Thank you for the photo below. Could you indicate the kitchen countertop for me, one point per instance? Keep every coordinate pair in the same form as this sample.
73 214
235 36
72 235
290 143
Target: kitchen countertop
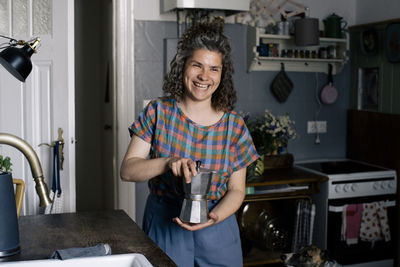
40 235
286 176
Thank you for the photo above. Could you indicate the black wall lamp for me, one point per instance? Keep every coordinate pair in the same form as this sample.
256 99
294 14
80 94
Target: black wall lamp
17 60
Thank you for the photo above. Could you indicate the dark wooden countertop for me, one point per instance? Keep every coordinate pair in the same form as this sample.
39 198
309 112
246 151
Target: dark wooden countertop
286 176
40 235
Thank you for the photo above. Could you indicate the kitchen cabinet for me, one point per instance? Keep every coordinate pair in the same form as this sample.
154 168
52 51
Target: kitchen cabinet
306 60
294 184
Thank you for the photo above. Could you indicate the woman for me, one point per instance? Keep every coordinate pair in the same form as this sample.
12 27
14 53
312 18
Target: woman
194 121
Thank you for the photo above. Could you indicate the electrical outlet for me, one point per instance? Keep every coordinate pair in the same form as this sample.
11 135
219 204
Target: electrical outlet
311 128
316 126
322 126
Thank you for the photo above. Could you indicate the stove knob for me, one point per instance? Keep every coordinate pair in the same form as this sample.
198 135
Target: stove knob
376 186
338 188
354 187
385 185
347 187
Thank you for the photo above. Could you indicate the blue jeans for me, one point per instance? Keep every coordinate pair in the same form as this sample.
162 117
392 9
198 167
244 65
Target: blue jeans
217 245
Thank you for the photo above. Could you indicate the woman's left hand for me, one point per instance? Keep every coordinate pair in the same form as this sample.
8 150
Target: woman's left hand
212 219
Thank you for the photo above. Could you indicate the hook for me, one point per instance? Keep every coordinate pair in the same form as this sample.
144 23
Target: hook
61 147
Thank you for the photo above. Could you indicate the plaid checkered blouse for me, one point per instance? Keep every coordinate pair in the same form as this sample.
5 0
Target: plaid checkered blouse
224 147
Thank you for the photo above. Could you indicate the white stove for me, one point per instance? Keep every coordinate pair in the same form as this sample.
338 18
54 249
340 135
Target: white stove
353 182
349 178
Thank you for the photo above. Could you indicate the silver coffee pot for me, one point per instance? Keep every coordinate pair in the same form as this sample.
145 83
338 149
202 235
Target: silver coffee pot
195 208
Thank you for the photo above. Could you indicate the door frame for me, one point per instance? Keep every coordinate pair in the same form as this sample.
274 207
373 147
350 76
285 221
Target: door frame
71 105
123 98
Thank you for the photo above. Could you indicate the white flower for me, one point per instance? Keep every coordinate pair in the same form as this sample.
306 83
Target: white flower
270 130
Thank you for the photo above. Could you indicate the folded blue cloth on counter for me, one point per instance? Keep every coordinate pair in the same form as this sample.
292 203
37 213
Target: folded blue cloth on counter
69 253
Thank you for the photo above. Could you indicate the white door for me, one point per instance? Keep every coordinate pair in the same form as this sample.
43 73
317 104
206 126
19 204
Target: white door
36 109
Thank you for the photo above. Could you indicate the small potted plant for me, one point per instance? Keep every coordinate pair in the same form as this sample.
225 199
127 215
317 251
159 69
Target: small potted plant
5 165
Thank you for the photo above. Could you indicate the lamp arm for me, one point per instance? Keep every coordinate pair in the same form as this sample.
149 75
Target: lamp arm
12 42
36 167
9 38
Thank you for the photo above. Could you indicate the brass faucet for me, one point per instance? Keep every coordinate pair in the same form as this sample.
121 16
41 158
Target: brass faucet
36 168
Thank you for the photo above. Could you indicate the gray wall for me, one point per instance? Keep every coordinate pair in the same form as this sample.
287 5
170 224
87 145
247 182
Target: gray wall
253 93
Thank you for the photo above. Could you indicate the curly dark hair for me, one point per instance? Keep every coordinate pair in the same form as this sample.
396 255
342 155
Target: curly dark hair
206 35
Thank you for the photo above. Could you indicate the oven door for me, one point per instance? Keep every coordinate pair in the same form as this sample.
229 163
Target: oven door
363 251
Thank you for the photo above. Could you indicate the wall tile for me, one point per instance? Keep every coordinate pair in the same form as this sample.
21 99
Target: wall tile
149 40
148 82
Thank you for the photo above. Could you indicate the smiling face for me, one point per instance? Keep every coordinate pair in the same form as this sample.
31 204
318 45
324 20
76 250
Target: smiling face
202 75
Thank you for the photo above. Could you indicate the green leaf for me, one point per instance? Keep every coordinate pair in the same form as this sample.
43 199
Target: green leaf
5 164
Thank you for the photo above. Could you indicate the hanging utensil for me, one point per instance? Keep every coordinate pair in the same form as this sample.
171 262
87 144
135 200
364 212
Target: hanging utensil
281 86
329 93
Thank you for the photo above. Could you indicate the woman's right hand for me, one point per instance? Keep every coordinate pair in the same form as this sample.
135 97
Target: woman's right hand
184 167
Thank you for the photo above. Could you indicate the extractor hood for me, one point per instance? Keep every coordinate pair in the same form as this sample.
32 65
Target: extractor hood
222 5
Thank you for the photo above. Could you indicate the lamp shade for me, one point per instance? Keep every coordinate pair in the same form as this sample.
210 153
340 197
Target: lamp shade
17 61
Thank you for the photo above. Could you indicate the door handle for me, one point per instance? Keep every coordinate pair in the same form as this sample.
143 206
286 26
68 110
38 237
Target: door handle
61 143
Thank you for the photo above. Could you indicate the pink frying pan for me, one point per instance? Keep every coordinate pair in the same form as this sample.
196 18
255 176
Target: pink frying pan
329 93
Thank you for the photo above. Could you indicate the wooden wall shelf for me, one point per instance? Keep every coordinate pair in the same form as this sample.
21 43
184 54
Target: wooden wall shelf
285 42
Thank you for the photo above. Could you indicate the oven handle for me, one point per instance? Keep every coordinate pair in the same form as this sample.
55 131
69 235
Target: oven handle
340 208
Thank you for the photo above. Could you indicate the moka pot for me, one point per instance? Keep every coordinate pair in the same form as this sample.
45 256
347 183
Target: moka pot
195 207
9 234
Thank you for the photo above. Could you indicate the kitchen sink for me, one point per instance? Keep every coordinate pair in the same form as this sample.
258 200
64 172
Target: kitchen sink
122 260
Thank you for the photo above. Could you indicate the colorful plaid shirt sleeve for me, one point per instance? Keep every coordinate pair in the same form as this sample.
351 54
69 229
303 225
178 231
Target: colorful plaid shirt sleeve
143 127
224 147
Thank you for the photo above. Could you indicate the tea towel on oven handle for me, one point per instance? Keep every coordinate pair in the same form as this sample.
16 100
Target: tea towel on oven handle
374 222
351 222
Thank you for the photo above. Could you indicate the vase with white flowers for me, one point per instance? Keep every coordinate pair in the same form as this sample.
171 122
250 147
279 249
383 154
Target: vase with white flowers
271 135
